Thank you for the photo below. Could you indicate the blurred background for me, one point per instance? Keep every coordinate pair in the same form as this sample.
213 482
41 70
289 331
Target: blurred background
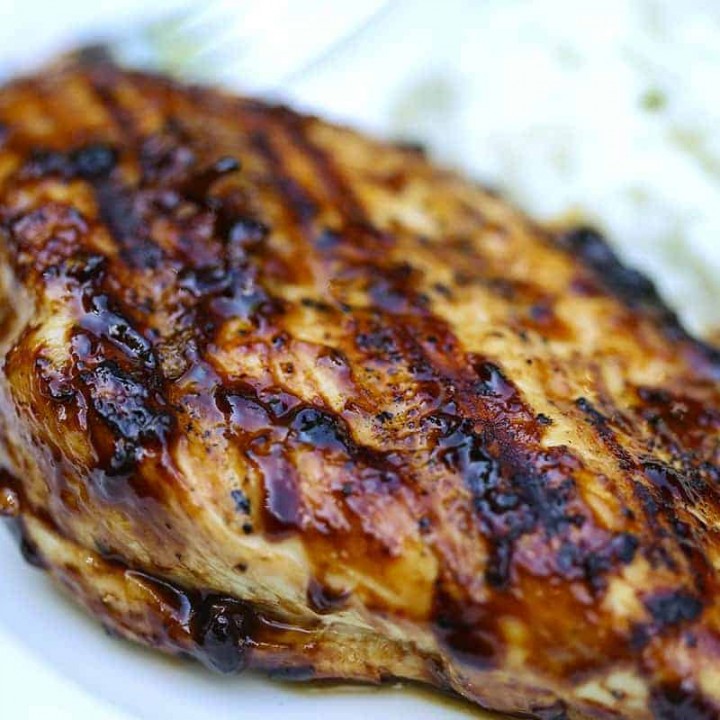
602 112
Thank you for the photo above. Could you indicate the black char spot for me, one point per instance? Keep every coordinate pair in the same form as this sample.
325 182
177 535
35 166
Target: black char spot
673 608
674 703
94 161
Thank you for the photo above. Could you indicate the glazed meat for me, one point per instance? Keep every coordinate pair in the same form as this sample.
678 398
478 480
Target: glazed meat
276 395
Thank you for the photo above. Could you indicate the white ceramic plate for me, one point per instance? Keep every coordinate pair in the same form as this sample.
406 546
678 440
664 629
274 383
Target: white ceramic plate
598 109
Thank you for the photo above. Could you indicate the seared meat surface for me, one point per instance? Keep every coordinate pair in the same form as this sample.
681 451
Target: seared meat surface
276 395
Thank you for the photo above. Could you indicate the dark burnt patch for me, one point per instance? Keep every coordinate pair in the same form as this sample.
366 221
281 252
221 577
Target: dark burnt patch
391 289
94 161
246 232
629 285
673 608
119 212
632 288
107 322
672 702
135 417
686 486
510 498
605 431
493 383
578 561
90 162
167 157
322 430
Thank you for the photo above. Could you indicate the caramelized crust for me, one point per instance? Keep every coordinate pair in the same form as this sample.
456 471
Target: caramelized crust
277 395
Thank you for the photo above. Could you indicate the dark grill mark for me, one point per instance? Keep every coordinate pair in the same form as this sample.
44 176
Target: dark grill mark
631 287
293 196
91 162
605 432
339 192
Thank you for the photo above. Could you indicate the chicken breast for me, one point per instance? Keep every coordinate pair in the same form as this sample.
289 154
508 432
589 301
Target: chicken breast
276 395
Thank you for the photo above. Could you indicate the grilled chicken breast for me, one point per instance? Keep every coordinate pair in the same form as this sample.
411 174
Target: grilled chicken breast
276 395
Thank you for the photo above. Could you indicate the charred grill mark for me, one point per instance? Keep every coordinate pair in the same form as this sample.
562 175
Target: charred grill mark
118 212
687 487
681 423
102 81
197 187
299 204
167 159
390 289
339 192
90 162
635 290
486 434
664 490
607 435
